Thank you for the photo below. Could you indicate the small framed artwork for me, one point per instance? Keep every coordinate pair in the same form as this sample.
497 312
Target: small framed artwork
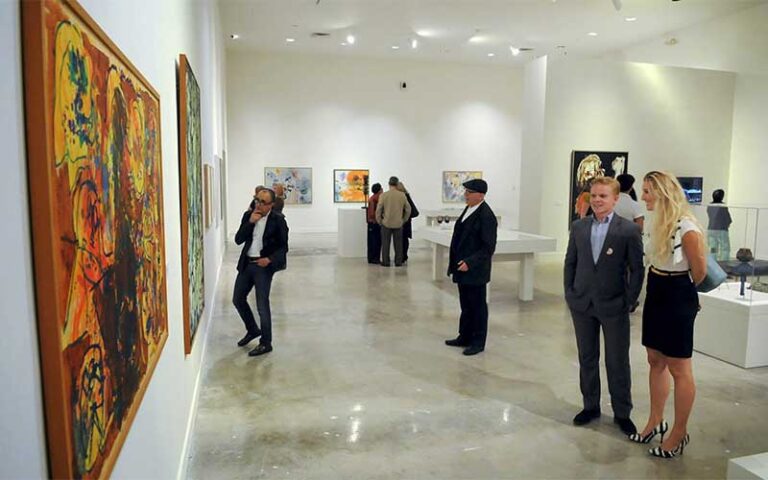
453 190
586 165
296 182
350 186
208 195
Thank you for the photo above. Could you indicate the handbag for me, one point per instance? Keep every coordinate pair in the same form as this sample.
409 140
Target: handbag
715 276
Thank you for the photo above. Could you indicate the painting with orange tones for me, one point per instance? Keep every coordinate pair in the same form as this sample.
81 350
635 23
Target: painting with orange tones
350 186
95 181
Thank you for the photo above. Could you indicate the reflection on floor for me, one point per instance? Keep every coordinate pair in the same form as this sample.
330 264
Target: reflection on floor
361 386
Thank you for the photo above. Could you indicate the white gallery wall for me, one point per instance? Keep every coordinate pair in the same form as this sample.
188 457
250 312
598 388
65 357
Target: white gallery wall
667 118
336 112
152 35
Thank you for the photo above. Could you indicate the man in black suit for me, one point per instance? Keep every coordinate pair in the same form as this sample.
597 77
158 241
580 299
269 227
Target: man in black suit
603 276
264 234
472 246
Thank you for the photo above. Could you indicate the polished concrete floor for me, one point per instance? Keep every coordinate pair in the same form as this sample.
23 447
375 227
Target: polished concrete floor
361 386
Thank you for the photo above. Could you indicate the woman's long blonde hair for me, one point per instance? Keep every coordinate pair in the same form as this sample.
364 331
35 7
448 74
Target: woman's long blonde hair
670 206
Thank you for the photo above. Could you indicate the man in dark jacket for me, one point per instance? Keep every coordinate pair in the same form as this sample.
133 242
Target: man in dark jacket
472 247
263 233
603 276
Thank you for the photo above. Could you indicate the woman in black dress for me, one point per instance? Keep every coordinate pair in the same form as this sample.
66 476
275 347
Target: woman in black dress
678 264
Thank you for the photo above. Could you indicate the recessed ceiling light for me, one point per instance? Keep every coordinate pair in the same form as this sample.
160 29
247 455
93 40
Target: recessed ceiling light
491 54
592 34
515 51
630 19
414 43
351 39
343 44
290 40
234 36
395 47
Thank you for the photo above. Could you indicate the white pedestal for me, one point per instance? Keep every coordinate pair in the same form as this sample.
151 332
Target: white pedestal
749 467
733 329
353 233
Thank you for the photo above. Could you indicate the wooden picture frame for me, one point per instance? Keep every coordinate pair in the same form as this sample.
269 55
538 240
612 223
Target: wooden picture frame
95 184
191 201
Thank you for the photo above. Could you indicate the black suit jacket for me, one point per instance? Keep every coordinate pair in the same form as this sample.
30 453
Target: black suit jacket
275 240
606 284
473 241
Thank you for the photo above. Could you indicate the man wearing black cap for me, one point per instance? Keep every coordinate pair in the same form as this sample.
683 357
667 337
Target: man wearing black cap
472 246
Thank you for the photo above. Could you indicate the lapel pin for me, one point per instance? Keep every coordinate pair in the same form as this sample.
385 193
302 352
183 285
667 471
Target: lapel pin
609 251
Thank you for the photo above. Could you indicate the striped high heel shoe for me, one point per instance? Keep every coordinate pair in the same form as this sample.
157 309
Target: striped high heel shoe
659 429
661 453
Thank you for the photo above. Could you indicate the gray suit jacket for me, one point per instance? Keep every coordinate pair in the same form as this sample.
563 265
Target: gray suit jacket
606 285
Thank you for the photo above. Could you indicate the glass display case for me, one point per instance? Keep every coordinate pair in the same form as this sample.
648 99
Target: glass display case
732 324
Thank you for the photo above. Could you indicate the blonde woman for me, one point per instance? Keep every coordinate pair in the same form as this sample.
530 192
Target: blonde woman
678 264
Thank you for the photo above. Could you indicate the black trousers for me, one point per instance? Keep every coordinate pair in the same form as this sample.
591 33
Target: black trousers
616 339
473 323
374 243
259 278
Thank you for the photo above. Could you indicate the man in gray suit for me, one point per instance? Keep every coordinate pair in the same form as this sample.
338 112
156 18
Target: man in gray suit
602 248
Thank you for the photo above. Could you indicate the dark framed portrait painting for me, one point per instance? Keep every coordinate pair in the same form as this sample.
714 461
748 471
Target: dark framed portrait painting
96 191
586 165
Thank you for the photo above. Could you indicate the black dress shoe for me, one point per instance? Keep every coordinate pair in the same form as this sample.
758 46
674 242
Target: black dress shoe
626 425
456 342
247 338
384 264
585 416
472 350
261 349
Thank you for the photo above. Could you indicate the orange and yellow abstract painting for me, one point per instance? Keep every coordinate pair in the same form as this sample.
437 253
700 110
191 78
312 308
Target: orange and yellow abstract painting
350 186
96 184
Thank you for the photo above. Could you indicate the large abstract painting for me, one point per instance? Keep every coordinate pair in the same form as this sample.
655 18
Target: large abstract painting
453 189
350 186
586 165
95 179
297 183
191 188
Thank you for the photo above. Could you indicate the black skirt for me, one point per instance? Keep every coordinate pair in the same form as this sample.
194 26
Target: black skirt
671 305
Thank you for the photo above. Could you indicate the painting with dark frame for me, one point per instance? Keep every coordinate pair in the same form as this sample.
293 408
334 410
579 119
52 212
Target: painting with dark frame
191 201
350 186
586 165
96 190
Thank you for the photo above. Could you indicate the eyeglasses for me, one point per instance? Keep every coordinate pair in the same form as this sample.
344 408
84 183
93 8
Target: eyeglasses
262 202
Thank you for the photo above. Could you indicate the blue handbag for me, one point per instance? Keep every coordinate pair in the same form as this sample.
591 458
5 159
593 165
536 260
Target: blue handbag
715 276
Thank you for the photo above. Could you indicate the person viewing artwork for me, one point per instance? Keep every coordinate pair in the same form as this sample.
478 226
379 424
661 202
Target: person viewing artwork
408 225
627 207
678 263
717 229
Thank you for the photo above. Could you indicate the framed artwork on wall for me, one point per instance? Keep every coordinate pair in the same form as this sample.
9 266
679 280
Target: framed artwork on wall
208 195
222 186
95 180
453 189
350 186
297 183
586 165
191 193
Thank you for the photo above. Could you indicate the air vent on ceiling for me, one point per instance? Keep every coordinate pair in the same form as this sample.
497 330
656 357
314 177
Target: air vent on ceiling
320 34
525 49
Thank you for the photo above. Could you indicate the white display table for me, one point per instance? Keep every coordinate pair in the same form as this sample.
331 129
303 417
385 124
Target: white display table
510 246
731 328
452 213
752 466
353 233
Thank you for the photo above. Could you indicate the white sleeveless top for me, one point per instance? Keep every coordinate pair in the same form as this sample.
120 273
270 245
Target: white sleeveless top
678 262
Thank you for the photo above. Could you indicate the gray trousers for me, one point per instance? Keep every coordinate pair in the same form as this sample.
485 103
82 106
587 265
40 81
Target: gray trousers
616 333
386 236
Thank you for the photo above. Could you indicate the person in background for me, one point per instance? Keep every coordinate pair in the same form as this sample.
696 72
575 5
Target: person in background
392 212
717 229
279 189
408 226
374 229
626 207
678 263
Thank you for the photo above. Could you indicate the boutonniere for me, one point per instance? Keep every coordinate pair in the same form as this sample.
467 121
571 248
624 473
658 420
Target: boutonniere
609 251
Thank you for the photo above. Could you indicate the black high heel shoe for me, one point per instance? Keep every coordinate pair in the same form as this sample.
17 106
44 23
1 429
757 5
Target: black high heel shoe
661 453
661 428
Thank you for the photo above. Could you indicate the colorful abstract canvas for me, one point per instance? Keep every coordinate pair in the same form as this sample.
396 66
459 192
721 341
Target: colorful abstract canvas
297 183
453 190
191 188
350 186
586 165
93 145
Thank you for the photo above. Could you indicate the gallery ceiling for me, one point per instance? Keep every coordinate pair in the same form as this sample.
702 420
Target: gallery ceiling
462 30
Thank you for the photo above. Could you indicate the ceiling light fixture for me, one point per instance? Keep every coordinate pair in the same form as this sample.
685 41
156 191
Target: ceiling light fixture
630 19
234 36
491 54
395 47
414 43
515 51
290 40
592 34
343 44
351 39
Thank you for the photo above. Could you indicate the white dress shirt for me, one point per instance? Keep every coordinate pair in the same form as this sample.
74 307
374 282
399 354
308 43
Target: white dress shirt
471 210
258 236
